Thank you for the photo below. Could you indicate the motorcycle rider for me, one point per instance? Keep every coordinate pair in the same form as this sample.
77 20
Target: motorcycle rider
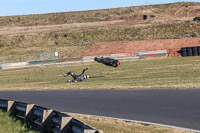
77 78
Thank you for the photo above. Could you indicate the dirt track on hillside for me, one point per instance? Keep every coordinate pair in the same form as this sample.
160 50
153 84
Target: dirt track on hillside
46 28
171 45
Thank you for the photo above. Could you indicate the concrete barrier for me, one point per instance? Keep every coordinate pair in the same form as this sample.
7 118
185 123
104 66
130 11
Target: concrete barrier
124 54
14 65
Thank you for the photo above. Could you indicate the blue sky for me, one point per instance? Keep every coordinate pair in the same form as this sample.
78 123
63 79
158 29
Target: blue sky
23 7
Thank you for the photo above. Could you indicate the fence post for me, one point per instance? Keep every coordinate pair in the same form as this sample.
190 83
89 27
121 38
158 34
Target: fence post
66 123
22 58
29 113
11 107
3 59
46 121
41 56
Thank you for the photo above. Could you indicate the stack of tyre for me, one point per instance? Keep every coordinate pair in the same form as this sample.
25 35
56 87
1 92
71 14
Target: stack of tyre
190 51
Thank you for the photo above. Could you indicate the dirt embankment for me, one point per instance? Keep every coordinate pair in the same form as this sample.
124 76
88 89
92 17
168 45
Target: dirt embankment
47 28
173 46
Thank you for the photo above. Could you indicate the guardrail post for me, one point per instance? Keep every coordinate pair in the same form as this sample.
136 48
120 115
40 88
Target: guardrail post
29 113
11 107
66 123
89 131
46 121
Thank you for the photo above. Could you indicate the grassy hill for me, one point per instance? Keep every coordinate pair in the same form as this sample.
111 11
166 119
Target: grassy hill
59 31
172 10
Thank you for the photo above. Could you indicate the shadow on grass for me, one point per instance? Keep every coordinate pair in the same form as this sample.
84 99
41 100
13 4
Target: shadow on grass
28 126
97 76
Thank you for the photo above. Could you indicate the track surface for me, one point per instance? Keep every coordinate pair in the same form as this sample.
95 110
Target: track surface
177 107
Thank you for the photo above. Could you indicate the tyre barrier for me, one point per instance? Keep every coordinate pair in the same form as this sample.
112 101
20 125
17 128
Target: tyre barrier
190 51
46 120
183 52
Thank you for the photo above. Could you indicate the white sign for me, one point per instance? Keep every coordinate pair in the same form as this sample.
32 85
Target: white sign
56 53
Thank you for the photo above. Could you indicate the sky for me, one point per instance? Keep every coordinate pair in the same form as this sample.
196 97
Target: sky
25 7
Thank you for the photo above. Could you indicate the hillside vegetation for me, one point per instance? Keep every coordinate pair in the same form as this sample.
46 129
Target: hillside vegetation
59 31
183 9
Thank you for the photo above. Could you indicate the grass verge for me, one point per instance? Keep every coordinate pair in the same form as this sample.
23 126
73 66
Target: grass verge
156 73
9 124
118 126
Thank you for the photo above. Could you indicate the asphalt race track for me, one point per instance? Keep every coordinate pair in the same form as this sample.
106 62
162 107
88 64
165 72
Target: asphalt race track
176 107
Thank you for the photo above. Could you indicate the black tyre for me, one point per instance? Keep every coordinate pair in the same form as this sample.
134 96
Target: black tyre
194 51
183 52
189 51
198 50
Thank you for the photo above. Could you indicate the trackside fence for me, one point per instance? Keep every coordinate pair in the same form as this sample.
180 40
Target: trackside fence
85 59
46 120
29 57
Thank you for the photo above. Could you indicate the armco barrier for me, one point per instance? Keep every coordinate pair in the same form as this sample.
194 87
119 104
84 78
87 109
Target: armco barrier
41 62
153 54
35 62
46 120
86 59
130 56
54 61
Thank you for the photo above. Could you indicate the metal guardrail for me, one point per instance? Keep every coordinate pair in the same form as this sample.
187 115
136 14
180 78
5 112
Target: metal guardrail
46 120
85 59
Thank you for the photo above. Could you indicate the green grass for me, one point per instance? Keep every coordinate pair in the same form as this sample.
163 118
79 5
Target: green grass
155 73
9 124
